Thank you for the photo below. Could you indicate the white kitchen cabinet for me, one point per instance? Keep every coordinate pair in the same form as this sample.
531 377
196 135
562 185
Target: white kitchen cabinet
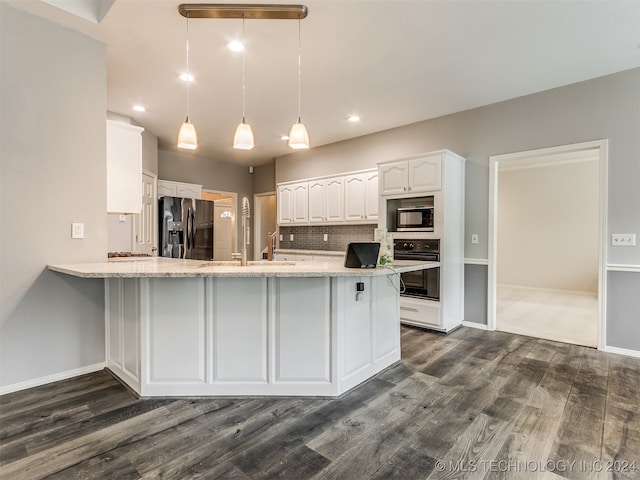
329 200
371 195
124 167
415 175
316 201
285 204
300 203
394 178
425 174
167 188
334 203
441 175
361 197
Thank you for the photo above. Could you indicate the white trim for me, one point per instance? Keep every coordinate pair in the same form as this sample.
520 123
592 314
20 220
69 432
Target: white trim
479 326
602 146
613 267
326 177
56 377
551 162
476 261
623 351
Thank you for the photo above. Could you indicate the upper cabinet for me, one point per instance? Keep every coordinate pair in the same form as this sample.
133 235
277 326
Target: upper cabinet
361 196
168 188
285 204
334 199
340 199
124 168
416 175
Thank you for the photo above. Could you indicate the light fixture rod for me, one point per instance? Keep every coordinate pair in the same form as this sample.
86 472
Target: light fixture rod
240 10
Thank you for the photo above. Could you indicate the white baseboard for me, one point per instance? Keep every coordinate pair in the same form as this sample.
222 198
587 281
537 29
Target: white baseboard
479 326
36 382
623 351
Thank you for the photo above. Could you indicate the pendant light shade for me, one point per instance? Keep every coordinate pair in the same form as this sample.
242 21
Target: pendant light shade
243 138
298 136
187 136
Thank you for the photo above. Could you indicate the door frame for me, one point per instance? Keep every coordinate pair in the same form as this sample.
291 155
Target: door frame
257 206
603 148
234 222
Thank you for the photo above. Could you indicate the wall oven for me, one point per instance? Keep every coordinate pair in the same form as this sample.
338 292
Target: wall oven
414 219
423 284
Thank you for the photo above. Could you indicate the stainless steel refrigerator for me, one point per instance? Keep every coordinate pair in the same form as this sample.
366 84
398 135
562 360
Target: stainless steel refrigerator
186 228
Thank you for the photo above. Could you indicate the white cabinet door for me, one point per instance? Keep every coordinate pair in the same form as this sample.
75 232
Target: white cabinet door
425 174
300 203
394 178
354 197
371 196
285 204
145 222
188 190
124 167
166 189
334 199
316 201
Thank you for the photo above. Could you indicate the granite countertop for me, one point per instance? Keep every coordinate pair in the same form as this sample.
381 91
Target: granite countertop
159 267
297 251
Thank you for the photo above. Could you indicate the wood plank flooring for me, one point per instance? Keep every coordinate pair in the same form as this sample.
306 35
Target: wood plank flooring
468 405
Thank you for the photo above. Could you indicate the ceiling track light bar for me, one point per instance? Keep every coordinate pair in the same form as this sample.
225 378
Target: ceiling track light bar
240 10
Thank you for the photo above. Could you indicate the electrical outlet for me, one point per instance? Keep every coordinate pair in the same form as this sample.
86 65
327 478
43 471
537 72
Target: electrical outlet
474 238
325 237
291 237
122 218
623 239
281 237
77 230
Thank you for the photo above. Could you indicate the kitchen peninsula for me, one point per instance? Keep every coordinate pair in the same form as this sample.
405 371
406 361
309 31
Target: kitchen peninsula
190 327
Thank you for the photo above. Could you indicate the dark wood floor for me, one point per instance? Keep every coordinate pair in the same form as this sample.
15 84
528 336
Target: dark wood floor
472 404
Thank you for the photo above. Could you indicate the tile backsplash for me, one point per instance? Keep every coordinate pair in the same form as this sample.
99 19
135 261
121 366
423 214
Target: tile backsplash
338 236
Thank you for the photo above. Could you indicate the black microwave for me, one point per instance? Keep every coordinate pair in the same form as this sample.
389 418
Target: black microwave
414 219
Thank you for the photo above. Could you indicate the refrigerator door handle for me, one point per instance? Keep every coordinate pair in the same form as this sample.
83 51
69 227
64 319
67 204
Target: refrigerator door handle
189 240
193 229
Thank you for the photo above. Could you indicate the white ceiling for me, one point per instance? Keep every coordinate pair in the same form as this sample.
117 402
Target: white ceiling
393 62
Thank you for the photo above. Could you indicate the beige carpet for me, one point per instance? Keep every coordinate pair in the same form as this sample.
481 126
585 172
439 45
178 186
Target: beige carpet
561 316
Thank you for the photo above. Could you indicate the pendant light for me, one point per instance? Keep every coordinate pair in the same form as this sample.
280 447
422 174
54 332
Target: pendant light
298 136
243 139
187 137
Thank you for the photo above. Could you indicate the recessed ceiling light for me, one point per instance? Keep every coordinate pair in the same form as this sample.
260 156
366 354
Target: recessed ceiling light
284 137
235 46
187 77
139 108
354 118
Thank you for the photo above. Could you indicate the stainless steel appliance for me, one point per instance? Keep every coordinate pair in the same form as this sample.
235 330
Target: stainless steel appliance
414 219
423 283
186 228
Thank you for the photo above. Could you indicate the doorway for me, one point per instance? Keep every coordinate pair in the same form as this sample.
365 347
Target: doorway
547 243
224 222
264 223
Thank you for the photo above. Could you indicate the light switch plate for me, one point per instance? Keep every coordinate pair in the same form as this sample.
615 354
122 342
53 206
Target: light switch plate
77 230
291 237
325 237
474 238
623 239
281 237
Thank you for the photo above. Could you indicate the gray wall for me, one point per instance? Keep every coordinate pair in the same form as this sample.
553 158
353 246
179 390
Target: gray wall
264 178
53 173
606 107
149 151
211 174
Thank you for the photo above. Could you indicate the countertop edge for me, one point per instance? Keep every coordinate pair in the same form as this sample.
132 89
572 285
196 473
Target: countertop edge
104 270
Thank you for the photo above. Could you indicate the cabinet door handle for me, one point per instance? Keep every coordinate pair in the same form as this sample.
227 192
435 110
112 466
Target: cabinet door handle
409 309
